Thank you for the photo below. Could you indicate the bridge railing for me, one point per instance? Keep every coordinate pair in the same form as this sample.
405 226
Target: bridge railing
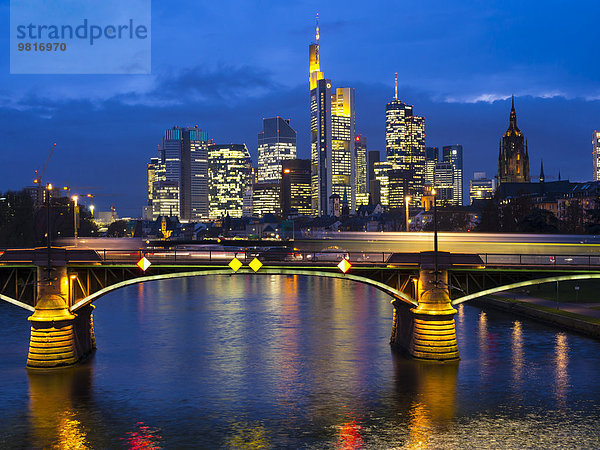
331 257
503 260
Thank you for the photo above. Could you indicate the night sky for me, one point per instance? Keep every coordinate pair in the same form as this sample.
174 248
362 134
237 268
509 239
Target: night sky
225 65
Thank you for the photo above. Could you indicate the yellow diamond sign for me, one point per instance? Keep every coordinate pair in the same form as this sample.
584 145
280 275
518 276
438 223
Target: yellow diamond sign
235 264
255 264
144 263
344 265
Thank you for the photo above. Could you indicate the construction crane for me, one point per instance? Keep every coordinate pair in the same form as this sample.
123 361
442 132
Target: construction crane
38 179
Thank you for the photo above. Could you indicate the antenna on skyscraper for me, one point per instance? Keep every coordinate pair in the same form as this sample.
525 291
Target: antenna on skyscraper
317 28
396 86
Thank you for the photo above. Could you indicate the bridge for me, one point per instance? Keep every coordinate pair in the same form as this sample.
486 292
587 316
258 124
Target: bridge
60 286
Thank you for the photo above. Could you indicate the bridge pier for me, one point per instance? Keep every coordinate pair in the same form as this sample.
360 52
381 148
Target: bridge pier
427 332
58 337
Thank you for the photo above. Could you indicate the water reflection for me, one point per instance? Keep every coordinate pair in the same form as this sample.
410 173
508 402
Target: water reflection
431 390
562 365
518 359
53 407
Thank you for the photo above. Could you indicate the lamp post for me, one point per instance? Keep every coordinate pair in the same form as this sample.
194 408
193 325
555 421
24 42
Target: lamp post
48 193
407 200
92 210
75 198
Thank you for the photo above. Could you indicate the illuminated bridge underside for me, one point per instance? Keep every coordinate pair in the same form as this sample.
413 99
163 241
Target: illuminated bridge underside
396 294
508 287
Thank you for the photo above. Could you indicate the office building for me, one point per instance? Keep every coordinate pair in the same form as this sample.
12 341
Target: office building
453 154
481 187
361 170
513 158
596 155
230 178
444 183
381 171
183 158
405 143
432 156
266 199
332 137
398 189
276 143
296 188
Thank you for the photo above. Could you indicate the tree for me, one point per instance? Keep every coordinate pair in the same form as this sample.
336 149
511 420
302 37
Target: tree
117 229
539 221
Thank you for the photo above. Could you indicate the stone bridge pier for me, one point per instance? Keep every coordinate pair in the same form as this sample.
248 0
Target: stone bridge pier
427 332
58 337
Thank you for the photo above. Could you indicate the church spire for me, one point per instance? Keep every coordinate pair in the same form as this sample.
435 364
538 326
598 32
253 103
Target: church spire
542 178
513 115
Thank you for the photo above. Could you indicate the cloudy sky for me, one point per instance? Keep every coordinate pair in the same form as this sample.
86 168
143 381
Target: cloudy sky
225 65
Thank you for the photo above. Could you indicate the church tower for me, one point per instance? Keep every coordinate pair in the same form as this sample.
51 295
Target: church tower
513 158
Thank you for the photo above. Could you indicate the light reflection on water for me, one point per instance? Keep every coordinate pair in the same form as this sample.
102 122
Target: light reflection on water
273 361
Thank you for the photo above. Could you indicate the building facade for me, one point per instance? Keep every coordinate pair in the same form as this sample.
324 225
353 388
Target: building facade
183 157
444 183
513 158
381 170
230 178
361 170
432 157
453 154
481 187
296 188
276 143
266 199
405 143
596 155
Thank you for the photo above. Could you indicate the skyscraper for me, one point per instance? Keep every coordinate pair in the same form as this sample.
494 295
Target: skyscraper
230 178
331 137
360 170
295 187
596 155
276 142
373 184
432 156
183 153
405 143
513 158
444 183
381 170
453 154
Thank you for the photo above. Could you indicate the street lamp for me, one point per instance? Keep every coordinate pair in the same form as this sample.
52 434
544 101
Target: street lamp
92 210
407 200
75 198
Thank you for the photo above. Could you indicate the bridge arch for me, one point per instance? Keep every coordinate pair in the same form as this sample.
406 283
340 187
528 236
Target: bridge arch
394 293
508 287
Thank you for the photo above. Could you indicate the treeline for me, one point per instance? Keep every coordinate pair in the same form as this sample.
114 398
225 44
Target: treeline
23 224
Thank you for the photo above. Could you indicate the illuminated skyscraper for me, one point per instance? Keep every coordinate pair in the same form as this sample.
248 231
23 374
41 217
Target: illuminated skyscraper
405 143
360 170
596 155
266 199
513 158
444 183
295 188
432 156
230 177
381 170
183 152
331 137
277 142
453 154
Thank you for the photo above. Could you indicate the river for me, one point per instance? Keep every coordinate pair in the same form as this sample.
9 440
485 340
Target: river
251 361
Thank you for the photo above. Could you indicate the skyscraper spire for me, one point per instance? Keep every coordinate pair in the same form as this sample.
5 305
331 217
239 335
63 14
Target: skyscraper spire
317 28
396 86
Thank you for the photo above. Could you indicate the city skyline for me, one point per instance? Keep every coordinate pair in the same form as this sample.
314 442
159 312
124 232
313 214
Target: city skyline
92 117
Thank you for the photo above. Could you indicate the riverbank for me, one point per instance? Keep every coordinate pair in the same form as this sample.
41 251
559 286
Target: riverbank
569 316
